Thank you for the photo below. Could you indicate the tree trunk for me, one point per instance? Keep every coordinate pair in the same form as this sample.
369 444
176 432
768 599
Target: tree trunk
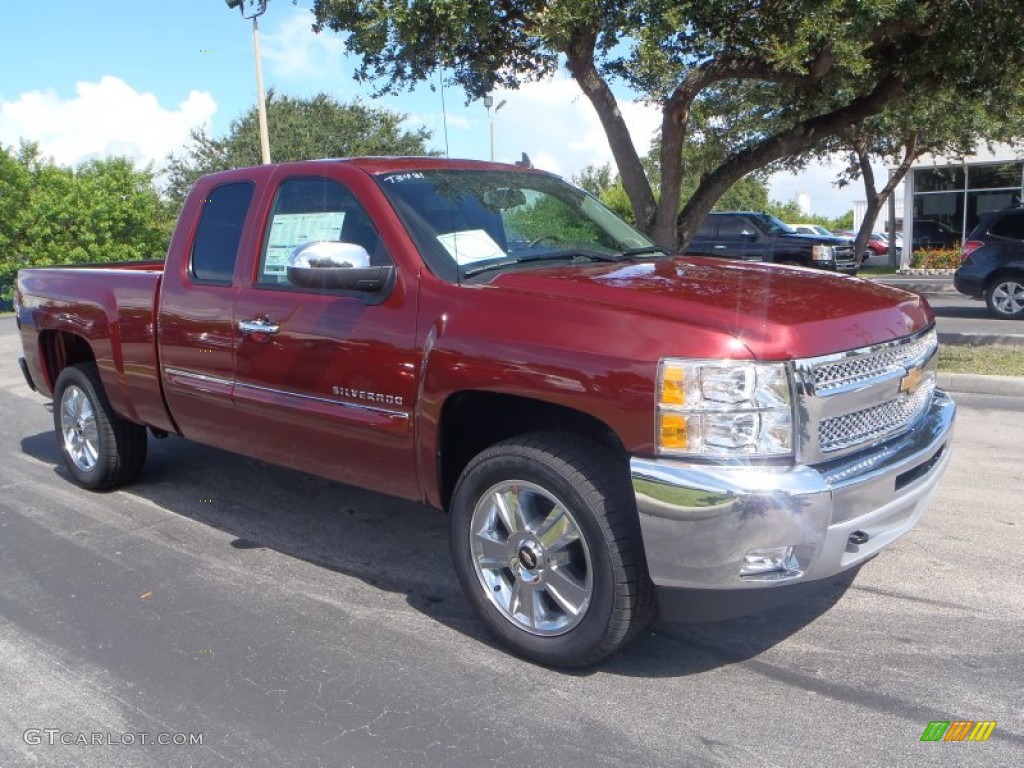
785 144
580 56
876 199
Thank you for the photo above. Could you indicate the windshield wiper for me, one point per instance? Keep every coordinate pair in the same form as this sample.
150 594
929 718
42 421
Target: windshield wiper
570 253
644 249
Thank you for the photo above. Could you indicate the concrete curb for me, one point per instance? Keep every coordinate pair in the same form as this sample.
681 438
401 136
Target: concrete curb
973 384
919 285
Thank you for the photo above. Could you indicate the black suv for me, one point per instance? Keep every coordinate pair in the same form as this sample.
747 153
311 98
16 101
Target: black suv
993 263
754 236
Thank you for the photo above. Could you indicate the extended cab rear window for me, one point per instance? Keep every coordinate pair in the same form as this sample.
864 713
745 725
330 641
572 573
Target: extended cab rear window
219 233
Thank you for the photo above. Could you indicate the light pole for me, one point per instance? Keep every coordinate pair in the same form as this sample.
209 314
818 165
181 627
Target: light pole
488 103
252 9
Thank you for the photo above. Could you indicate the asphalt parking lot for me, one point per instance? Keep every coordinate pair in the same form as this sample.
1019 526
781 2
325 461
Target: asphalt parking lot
287 620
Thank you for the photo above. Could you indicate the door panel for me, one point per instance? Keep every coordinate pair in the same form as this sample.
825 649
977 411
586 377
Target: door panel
326 381
196 328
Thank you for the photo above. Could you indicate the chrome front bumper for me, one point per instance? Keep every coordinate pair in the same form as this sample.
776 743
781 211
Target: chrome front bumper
700 520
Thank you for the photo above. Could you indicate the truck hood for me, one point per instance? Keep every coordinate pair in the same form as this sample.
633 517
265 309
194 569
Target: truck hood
777 313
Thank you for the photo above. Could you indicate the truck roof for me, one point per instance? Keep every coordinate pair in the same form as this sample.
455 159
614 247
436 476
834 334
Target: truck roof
382 164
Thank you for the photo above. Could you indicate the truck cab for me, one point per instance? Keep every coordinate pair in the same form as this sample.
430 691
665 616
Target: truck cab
753 236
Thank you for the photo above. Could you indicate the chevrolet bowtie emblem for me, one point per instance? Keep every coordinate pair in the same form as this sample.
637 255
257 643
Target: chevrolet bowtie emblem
910 382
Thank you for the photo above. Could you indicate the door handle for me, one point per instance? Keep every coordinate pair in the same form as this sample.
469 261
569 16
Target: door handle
719 247
260 325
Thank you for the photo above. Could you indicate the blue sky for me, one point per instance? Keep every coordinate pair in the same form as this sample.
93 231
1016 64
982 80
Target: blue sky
88 79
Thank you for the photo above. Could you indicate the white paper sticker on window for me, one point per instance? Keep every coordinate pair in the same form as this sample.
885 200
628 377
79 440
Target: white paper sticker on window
289 230
470 246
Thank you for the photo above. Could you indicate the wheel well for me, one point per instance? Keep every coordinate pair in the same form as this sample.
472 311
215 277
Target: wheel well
59 349
472 421
1004 272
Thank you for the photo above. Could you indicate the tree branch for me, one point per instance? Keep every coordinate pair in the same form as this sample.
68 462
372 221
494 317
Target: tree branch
785 144
580 56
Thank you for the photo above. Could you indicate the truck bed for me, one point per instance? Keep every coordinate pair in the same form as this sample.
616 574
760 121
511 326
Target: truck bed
113 307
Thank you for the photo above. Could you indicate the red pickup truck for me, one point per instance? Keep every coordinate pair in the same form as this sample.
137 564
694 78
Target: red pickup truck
611 428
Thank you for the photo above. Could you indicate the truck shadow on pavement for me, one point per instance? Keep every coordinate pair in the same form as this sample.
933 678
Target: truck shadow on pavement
398 546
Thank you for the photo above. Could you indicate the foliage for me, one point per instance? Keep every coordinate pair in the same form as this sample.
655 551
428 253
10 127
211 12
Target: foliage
299 129
551 219
751 83
100 211
844 222
595 179
617 200
936 258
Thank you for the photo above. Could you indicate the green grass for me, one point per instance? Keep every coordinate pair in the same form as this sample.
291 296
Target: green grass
988 360
874 270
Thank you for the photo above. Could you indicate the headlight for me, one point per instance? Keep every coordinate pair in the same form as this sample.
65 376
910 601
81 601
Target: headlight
724 408
823 253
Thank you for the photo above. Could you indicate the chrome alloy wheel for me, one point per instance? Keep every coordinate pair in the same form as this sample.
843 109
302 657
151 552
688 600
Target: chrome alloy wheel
1008 297
78 427
531 558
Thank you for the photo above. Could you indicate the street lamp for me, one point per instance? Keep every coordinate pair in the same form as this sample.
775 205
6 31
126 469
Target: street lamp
251 9
488 103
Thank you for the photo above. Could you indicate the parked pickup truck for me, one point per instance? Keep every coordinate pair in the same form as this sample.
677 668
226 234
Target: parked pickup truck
752 236
610 428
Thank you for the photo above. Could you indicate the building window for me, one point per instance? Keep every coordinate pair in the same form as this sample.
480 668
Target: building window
994 176
939 179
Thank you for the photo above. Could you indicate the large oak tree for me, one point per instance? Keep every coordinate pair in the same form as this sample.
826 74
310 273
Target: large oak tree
300 129
795 72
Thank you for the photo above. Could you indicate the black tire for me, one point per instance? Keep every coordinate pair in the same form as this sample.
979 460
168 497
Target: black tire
1005 297
548 472
100 449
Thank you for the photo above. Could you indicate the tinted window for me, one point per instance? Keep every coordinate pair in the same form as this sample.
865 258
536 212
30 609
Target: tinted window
1011 226
733 226
996 176
311 209
706 229
938 179
220 232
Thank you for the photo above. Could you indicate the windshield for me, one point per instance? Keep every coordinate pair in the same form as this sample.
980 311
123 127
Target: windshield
465 222
772 224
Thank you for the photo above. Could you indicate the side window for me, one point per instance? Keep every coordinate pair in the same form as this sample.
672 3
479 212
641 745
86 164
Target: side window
311 209
732 226
219 233
706 230
1011 225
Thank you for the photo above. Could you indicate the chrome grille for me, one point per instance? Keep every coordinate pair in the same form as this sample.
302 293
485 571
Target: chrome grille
856 369
843 253
876 422
849 400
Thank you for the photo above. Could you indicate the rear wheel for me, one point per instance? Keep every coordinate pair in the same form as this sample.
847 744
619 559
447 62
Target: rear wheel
546 545
101 450
1005 297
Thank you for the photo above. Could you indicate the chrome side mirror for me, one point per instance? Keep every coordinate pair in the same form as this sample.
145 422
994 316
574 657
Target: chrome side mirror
330 265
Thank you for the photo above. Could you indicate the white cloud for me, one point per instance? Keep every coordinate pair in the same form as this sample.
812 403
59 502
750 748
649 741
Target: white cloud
293 51
818 181
556 125
102 119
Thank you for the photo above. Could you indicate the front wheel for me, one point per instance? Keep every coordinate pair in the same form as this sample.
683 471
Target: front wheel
1005 297
546 545
100 449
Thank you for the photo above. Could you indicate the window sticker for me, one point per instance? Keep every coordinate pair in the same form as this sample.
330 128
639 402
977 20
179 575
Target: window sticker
289 230
470 246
